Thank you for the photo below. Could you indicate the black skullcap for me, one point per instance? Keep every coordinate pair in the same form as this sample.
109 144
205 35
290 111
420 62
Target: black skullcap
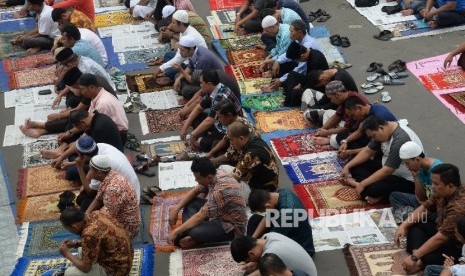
64 54
72 76
294 50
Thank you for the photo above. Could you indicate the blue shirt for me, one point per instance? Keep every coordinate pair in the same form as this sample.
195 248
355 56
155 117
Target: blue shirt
460 4
288 16
382 112
204 59
283 40
424 177
293 5
83 48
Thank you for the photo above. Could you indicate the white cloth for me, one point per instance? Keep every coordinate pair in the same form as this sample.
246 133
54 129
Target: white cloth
46 25
87 65
95 41
118 162
141 11
178 59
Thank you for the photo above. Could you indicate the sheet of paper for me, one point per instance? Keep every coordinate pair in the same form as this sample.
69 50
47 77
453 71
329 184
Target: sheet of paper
176 175
30 96
34 112
14 136
124 30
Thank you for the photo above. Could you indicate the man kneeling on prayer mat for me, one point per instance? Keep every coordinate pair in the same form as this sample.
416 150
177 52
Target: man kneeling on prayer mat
217 217
104 247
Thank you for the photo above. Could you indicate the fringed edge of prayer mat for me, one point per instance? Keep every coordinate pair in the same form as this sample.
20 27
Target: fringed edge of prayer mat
306 200
143 123
279 147
21 188
23 234
350 260
175 264
449 99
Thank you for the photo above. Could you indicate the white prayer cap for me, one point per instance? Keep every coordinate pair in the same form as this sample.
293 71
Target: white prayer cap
187 41
269 21
181 16
100 163
410 150
167 11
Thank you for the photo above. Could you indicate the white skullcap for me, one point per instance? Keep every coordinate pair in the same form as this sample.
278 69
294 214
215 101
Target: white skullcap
167 11
100 163
181 16
269 21
410 150
187 41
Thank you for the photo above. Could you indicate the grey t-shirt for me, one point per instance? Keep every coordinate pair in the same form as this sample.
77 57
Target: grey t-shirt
390 149
291 253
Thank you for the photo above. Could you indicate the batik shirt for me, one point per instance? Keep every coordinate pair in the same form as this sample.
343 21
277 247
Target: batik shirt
257 165
283 40
120 201
231 152
199 24
80 20
225 202
105 242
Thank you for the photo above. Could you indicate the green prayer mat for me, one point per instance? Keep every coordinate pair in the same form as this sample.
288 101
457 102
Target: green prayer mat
264 102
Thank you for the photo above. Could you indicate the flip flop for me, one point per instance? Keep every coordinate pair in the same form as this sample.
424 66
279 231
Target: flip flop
385 97
398 66
388 81
373 66
367 85
335 40
345 42
398 75
144 170
384 35
372 90
151 191
324 18
340 65
373 77
312 16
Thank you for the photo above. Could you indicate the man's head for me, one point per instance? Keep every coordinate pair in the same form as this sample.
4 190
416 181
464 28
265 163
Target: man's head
245 249
72 219
316 79
69 35
298 30
412 154
66 57
80 119
295 51
270 4
226 112
336 92
61 16
187 46
35 5
460 230
208 81
99 167
239 135
167 12
356 108
89 85
270 25
271 265
377 128
204 171
267 11
179 21
86 147
260 200
446 180
71 80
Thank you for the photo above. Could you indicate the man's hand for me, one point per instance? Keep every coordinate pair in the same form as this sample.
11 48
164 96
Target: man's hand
79 161
63 136
275 69
323 132
343 147
359 187
183 133
64 250
449 261
250 267
400 234
428 15
275 84
66 165
56 163
177 67
344 173
70 244
57 101
173 216
172 237
177 84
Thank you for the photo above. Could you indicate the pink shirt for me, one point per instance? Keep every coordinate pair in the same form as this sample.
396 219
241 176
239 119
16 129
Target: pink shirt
109 105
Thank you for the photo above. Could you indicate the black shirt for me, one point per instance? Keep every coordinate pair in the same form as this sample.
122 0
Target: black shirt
316 61
346 79
104 130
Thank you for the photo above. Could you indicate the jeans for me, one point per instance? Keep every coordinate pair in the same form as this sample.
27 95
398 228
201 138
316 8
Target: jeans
433 270
253 25
42 42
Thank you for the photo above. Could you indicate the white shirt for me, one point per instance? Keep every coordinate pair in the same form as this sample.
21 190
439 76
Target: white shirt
87 65
45 23
178 59
95 41
118 162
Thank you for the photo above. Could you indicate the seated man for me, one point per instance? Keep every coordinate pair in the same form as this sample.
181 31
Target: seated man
248 18
444 13
106 247
85 6
71 38
205 125
115 195
272 28
250 250
375 180
282 208
199 58
284 15
290 4
256 163
412 7
86 149
420 166
227 114
428 242
141 8
165 20
218 217
42 36
270 264
75 17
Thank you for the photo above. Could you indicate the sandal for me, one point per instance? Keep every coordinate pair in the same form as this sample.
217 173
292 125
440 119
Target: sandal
345 42
388 81
385 97
340 65
144 170
374 66
398 75
324 18
145 199
374 89
384 35
373 77
312 16
151 191
398 66
335 40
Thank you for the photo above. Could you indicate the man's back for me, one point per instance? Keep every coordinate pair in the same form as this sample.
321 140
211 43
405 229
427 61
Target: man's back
205 59
104 130
107 104
83 48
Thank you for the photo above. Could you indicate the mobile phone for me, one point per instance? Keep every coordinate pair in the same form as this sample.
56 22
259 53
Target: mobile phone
45 92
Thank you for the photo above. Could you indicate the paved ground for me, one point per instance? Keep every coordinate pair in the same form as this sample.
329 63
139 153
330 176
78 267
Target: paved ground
439 130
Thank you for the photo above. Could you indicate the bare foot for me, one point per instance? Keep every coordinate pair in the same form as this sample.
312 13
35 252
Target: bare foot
51 154
407 12
32 132
373 200
33 51
188 242
433 24
321 141
241 31
33 124
349 182
265 88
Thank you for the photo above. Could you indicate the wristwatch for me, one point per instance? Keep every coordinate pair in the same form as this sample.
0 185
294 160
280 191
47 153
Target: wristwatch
344 141
414 258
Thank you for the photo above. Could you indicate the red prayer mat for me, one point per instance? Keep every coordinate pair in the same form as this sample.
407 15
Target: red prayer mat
33 77
225 4
456 99
298 144
244 56
444 80
24 63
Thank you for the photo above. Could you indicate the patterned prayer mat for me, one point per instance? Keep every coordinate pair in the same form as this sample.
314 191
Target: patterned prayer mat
244 56
224 17
166 148
204 262
245 71
6 49
143 83
444 80
377 259
33 77
225 4
456 99
106 3
142 265
223 31
142 56
6 15
42 180
155 121
320 167
36 208
113 18
24 63
159 220
32 156
333 195
266 102
298 144
252 86
280 120
241 42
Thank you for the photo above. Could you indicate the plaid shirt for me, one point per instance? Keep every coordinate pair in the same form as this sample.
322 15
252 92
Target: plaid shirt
232 153
225 202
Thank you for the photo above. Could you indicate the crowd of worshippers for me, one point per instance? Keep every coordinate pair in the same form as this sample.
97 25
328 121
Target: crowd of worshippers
384 158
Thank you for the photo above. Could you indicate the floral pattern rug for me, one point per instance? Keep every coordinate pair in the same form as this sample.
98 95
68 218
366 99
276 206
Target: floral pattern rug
42 180
156 121
32 156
